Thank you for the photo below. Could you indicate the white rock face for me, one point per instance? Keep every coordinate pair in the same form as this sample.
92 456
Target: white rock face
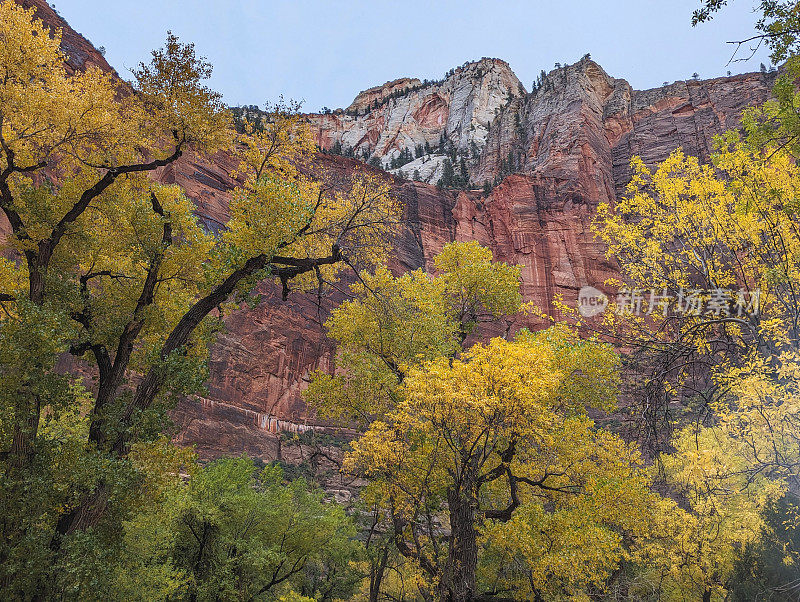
406 113
429 168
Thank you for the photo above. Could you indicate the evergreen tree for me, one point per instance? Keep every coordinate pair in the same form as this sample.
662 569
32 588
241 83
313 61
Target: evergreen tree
464 180
448 174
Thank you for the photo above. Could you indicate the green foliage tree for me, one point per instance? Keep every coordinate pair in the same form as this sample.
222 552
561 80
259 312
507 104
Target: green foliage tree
242 534
448 174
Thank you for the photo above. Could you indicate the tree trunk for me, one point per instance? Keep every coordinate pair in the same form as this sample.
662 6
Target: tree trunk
458 583
376 575
27 425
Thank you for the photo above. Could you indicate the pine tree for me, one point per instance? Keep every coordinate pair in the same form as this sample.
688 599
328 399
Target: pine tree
448 174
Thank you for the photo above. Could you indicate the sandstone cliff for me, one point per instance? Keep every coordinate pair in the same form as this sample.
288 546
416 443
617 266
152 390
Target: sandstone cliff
411 115
80 52
554 154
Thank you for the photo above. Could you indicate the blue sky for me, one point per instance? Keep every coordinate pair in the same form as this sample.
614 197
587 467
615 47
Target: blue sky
325 52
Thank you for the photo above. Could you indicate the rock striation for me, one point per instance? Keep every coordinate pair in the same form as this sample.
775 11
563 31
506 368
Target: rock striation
548 157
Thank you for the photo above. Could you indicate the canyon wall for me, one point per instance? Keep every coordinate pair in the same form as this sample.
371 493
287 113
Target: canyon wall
548 157
570 145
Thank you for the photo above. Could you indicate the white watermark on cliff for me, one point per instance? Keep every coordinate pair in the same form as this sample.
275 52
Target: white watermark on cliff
717 302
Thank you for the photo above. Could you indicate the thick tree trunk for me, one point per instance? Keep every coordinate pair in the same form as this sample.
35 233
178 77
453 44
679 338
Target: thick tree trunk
458 583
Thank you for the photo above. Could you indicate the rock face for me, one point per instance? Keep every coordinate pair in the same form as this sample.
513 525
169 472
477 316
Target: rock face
406 114
555 154
550 157
81 54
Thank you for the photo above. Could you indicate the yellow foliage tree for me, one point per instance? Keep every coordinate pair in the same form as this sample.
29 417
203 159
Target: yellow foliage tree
396 322
726 232
108 265
490 458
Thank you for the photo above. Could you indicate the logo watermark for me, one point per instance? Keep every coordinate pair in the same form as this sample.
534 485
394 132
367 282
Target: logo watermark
718 302
591 301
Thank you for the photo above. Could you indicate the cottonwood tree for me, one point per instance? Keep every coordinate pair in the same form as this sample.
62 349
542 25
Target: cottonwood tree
107 265
396 322
490 461
719 230
721 257
461 441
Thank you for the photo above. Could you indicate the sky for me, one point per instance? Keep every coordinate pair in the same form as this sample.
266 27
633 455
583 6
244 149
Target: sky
324 52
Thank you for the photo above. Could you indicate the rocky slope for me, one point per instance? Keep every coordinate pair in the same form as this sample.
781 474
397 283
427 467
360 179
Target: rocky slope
422 117
554 154
80 52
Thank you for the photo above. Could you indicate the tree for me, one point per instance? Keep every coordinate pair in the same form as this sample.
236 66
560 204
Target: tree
732 367
403 370
395 322
227 531
448 174
685 228
779 26
238 533
496 446
115 269
767 567
724 500
463 172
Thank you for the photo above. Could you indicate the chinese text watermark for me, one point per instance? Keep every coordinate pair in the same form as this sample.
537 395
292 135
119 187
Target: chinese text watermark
718 302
